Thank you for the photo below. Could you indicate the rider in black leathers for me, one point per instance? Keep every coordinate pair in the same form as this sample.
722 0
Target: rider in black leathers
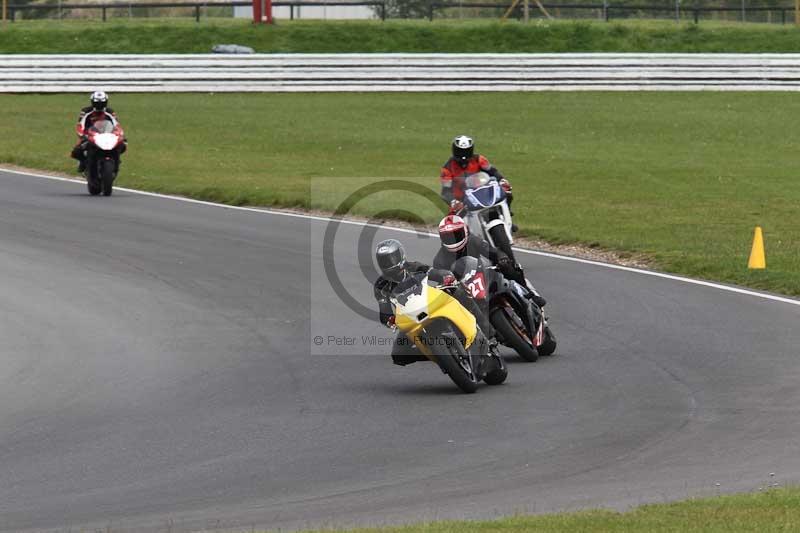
391 258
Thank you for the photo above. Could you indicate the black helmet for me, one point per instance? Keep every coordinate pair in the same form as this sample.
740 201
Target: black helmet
99 100
463 148
391 257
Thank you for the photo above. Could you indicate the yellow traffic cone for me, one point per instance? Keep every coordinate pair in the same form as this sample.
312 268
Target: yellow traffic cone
757 259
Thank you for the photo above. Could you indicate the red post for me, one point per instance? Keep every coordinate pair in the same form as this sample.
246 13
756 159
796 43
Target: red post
268 10
262 11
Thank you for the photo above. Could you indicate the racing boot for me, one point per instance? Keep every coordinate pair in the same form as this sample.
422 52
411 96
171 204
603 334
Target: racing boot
494 347
496 372
79 154
534 295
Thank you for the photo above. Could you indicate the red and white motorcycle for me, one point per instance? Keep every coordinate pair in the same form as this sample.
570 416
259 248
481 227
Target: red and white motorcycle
105 142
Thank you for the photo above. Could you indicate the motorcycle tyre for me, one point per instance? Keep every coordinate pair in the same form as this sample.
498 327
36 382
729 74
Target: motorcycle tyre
511 338
501 241
447 356
107 169
548 347
94 187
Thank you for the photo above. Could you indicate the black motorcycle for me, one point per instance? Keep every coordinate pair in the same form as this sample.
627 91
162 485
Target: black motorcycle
520 323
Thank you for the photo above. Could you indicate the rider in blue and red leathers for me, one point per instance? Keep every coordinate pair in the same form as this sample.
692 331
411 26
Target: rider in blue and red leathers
465 162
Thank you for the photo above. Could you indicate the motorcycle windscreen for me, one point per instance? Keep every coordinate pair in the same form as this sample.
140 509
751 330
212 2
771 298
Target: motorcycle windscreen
102 126
479 179
481 197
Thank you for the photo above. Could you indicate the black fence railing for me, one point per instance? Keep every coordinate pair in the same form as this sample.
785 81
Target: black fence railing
604 11
13 9
607 11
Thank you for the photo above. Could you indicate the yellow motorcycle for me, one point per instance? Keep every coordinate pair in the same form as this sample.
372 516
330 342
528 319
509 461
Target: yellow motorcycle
445 332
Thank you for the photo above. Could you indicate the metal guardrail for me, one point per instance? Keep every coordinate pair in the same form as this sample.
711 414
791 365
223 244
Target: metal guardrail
399 72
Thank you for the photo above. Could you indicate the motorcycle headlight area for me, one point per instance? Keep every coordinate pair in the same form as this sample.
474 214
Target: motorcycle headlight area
106 141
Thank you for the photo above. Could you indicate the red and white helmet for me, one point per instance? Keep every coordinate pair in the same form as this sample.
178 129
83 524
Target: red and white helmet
453 233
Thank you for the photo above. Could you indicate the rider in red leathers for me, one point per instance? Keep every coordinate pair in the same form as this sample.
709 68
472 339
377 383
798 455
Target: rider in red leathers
88 116
463 163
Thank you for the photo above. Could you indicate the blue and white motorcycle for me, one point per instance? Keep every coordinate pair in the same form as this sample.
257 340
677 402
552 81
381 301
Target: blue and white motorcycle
486 211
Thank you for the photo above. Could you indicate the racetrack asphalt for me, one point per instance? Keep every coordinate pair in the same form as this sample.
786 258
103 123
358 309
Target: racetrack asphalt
159 373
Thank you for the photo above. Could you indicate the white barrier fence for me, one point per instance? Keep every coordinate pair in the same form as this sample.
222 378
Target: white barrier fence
399 72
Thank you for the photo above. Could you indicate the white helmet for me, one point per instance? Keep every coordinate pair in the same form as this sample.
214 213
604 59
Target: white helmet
463 149
99 100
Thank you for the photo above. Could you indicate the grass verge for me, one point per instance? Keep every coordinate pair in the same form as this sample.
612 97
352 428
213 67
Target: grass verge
681 177
185 36
773 511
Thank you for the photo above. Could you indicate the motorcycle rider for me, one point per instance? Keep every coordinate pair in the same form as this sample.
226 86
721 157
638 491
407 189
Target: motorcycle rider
88 116
394 267
465 162
457 242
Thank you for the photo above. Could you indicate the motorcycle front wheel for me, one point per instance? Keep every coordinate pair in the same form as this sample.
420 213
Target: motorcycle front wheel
454 361
94 187
91 173
501 241
107 168
513 335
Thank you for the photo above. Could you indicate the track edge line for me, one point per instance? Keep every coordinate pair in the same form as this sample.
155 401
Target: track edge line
653 273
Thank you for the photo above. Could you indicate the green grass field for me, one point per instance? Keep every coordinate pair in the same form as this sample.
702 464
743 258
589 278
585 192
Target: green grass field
771 511
186 36
682 177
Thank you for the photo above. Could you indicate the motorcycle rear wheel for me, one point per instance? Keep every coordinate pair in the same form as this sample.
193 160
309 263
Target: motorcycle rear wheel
512 337
548 347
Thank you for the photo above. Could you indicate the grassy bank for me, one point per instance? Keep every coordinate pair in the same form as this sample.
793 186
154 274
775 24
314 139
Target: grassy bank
683 177
186 36
774 511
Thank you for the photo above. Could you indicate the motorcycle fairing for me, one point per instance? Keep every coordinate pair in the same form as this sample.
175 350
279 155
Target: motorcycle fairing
106 141
413 303
426 304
